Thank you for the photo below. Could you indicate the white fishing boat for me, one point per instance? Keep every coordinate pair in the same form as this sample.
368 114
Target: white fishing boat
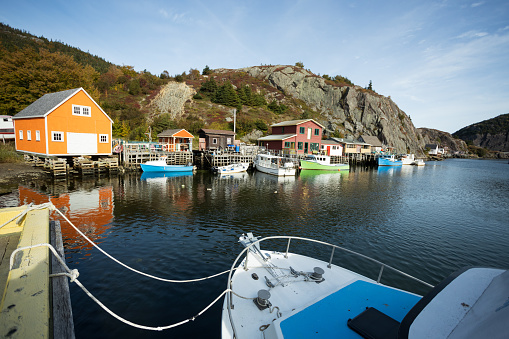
275 165
419 162
233 168
275 294
407 159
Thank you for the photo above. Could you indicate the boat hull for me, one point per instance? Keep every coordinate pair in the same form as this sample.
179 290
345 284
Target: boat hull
387 162
280 171
233 168
311 165
166 168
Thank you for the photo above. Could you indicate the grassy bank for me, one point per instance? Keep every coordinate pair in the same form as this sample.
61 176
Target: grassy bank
8 153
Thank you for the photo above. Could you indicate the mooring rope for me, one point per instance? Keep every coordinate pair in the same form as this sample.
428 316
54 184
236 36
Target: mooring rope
133 269
73 275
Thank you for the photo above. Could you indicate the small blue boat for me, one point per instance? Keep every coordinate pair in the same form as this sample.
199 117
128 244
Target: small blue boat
389 160
161 166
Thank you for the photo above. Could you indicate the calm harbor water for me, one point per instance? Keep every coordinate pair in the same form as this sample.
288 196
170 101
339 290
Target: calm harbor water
426 221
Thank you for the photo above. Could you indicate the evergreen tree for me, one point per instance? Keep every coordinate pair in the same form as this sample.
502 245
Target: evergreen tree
209 87
206 70
370 86
226 95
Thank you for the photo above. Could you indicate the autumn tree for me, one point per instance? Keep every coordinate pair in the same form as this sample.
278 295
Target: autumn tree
27 75
194 74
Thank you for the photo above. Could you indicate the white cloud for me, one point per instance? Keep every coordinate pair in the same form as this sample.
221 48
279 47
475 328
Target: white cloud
163 13
477 4
472 34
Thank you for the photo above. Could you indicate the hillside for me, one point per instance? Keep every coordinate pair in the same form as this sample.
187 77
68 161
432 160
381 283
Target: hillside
444 139
13 39
262 95
492 134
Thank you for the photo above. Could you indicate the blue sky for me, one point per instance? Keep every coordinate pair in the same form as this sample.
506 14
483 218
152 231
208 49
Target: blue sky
445 63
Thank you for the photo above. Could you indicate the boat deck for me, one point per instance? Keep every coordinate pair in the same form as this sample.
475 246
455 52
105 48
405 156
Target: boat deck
328 317
307 309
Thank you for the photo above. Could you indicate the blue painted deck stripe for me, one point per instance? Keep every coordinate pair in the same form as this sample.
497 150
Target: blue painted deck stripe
327 318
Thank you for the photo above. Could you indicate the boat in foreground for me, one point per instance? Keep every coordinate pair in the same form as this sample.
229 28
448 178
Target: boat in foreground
389 160
162 166
275 165
275 294
322 162
233 168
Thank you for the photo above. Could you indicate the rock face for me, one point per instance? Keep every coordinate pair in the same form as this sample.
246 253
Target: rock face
171 99
492 134
433 136
350 109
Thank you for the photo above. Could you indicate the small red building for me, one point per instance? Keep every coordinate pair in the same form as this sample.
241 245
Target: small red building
295 136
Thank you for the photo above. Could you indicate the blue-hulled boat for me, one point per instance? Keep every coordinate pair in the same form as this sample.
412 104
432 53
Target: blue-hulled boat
161 166
277 295
389 160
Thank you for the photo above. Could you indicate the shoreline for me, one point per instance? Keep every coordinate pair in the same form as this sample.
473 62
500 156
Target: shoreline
12 174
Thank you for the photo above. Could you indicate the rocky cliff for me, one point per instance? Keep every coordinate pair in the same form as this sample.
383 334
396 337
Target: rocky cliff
352 110
171 99
492 134
444 139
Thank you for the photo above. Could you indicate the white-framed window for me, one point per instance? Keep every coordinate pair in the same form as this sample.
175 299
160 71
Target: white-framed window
214 140
20 135
37 135
57 136
29 135
81 110
103 138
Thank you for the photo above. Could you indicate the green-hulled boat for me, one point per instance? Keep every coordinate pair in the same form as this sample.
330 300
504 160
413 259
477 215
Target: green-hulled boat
323 163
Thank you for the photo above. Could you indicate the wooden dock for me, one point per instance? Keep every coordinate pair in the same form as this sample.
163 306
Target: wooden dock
29 298
135 154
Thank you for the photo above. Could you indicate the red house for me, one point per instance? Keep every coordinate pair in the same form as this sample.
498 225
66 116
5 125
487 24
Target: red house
295 136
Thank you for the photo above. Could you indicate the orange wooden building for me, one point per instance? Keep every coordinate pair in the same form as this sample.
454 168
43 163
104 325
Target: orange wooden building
176 140
67 123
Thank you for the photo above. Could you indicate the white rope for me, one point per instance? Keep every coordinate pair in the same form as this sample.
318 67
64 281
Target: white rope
11 262
73 275
143 327
133 269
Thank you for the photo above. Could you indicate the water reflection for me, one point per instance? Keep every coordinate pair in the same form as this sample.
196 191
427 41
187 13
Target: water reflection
161 176
91 210
427 221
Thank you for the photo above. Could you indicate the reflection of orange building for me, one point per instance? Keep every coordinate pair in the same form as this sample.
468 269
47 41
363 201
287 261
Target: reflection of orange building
90 211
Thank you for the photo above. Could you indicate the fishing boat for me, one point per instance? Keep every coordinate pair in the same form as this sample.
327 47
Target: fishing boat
161 166
275 294
321 162
407 159
275 165
389 160
419 162
233 168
